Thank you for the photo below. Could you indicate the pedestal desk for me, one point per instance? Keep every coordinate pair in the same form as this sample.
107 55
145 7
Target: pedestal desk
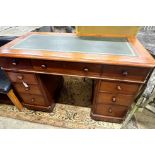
119 67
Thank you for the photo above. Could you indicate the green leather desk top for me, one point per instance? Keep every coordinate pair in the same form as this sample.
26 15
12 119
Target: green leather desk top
94 45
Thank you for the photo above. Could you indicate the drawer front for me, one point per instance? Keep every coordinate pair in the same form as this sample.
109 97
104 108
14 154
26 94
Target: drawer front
125 73
15 63
119 87
20 77
31 89
116 99
111 110
33 99
71 68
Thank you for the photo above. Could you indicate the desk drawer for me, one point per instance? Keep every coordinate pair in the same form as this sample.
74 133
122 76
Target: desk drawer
111 110
31 89
71 68
15 63
107 98
119 87
33 99
125 73
20 77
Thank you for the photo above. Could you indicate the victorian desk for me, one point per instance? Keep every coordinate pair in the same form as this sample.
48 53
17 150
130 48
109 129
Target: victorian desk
119 67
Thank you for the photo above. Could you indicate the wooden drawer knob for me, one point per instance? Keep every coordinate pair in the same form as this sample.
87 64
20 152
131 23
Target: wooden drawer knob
32 100
118 87
110 110
113 99
20 77
124 73
43 66
86 69
14 62
27 88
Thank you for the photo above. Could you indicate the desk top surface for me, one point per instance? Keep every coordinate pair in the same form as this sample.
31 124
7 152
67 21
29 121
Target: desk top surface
90 45
69 47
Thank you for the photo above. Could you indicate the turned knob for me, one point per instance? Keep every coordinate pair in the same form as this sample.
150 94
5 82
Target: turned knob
86 69
27 88
43 66
14 62
20 77
124 73
110 110
113 99
118 87
32 100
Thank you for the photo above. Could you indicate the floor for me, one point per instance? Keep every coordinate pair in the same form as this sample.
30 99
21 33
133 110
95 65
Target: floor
144 120
62 116
10 123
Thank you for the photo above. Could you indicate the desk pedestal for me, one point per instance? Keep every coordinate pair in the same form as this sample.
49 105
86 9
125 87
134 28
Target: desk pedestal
36 91
113 99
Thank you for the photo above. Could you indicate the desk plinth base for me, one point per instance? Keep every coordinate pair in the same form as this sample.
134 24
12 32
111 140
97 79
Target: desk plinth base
97 117
40 108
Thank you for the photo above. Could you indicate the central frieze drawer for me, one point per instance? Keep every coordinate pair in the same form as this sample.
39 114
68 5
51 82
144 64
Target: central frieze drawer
119 99
71 68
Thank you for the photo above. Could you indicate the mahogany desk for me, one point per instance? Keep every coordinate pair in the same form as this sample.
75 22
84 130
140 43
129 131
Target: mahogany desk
36 62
